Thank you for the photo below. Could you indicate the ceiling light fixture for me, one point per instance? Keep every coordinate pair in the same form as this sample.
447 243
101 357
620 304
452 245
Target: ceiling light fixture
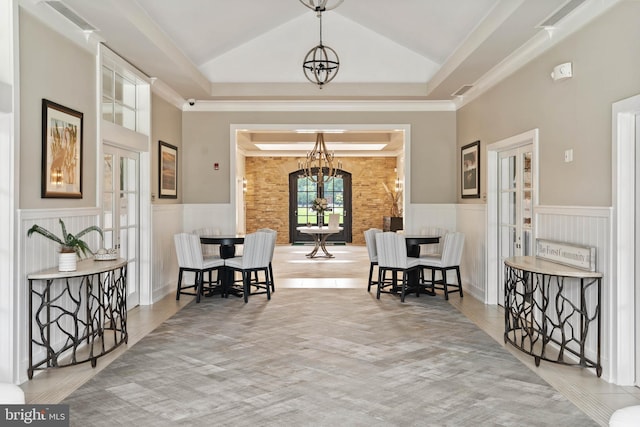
320 165
321 64
320 5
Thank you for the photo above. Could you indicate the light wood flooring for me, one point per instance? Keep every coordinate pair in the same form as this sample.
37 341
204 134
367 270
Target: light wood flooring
349 269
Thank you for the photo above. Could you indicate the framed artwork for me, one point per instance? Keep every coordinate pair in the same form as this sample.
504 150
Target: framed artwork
470 167
168 170
61 151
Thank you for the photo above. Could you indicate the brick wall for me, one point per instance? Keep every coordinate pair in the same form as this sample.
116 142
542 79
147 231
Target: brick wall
267 195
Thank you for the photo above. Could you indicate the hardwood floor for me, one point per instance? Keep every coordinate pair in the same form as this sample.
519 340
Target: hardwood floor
349 269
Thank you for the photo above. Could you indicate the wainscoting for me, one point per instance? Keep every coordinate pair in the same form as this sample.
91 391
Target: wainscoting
584 226
589 227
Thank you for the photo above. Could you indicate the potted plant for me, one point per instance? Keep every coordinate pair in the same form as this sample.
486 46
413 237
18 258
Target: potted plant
71 246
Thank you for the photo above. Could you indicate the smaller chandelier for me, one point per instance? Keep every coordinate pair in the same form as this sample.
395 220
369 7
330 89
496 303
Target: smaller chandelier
320 5
321 64
320 166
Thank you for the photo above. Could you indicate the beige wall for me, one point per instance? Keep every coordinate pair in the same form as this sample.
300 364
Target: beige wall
206 141
268 192
54 68
571 114
166 126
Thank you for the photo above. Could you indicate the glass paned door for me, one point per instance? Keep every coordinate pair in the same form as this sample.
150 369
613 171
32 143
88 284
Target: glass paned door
120 216
302 192
515 198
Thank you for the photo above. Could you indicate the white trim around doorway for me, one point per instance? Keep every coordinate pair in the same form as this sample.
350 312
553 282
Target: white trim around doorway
493 150
624 302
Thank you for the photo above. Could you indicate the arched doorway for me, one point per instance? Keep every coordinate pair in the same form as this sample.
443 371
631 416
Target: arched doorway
302 192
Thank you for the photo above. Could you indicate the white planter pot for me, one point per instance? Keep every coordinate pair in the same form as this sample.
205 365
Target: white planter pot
67 261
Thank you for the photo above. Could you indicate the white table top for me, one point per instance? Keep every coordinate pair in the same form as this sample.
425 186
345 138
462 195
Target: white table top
85 267
317 230
539 265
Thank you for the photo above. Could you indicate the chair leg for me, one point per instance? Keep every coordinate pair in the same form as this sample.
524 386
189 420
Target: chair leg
246 281
273 285
433 281
179 285
444 283
198 284
267 284
459 280
404 286
370 277
380 281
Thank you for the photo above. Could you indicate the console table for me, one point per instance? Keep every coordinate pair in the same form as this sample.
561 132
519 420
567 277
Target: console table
320 235
538 310
77 316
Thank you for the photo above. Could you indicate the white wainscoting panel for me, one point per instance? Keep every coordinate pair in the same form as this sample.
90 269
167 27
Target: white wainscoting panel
472 221
38 253
589 227
421 216
220 216
167 221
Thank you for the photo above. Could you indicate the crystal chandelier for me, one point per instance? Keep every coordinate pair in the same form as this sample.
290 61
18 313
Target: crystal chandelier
321 64
320 165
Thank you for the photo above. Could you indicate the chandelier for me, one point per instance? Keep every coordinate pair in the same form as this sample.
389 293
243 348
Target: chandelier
320 5
320 166
321 63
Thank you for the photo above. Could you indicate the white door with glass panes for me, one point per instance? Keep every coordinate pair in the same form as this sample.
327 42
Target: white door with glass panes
120 212
515 199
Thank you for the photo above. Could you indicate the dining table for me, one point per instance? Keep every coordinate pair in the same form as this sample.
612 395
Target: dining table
413 242
319 235
227 244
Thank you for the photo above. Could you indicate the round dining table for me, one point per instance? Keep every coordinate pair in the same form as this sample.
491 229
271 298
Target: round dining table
319 235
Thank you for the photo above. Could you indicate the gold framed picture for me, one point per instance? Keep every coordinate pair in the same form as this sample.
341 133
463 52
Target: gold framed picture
61 151
168 170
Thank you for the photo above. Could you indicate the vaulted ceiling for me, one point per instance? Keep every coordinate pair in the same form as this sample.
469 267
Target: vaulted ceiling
388 49
214 51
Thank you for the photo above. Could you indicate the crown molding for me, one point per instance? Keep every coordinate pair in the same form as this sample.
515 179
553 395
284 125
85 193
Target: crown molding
167 93
535 47
321 106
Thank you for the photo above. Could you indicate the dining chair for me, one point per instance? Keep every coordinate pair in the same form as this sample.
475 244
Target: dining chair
190 259
208 250
449 260
370 241
392 256
273 248
255 258
434 248
334 220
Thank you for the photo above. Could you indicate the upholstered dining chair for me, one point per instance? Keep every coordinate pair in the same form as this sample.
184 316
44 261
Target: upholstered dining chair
449 260
334 220
370 241
433 249
392 256
190 259
273 248
255 258
209 250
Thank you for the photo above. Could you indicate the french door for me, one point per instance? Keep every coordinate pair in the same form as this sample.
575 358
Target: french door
515 198
120 212
302 192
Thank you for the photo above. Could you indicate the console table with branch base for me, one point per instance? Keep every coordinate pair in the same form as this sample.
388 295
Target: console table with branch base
77 316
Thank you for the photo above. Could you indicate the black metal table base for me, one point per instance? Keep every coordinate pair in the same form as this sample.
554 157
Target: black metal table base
539 312
77 319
